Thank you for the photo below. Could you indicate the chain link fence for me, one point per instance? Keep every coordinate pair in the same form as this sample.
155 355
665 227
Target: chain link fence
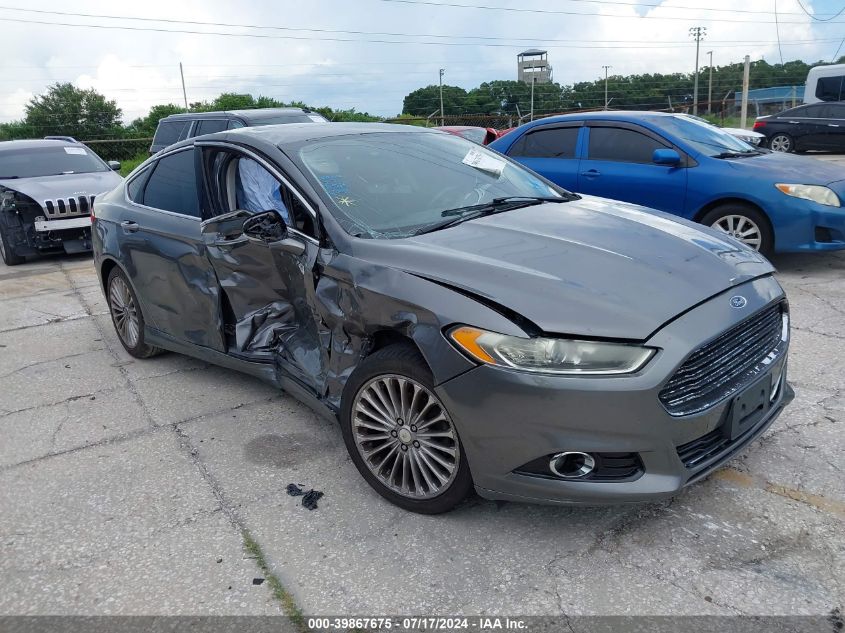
121 149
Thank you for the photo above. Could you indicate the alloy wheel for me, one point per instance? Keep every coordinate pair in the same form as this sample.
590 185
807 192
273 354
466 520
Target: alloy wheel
780 143
742 228
405 436
2 248
124 312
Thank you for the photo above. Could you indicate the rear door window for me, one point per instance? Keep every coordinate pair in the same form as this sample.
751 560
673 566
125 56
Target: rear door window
621 145
173 184
829 88
168 132
210 126
547 143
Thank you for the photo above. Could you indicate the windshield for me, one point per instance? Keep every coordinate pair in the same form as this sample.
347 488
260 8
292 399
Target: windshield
704 137
33 162
394 184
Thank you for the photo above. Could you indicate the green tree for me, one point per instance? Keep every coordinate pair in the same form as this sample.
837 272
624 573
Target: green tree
67 110
146 126
424 101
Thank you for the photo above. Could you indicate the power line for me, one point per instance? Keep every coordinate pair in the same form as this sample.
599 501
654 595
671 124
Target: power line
560 12
812 16
579 45
777 32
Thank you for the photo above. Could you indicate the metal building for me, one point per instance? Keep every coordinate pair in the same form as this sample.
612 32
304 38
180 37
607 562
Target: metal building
533 63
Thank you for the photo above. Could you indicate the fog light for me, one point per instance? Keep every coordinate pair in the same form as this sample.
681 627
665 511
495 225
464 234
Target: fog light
572 464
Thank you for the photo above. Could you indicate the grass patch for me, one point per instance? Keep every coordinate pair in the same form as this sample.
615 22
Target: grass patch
289 606
127 166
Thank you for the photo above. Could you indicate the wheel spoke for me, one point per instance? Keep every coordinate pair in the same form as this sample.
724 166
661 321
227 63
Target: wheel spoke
417 459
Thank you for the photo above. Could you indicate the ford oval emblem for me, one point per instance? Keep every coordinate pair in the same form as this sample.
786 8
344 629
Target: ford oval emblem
738 301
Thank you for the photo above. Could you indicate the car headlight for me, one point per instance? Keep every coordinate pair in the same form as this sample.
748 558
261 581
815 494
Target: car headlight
550 355
816 193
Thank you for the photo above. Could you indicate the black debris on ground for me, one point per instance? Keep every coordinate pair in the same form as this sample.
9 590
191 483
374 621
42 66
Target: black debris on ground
309 500
257 581
309 497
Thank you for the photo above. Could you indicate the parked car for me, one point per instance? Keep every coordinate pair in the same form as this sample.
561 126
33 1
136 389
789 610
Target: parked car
491 330
770 201
47 188
817 126
178 127
480 135
825 83
749 136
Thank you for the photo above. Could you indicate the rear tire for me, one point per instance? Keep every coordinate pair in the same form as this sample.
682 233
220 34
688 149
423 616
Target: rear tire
126 315
781 142
744 223
10 258
405 444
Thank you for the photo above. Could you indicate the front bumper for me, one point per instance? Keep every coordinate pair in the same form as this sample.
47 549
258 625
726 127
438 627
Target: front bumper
803 225
507 419
61 225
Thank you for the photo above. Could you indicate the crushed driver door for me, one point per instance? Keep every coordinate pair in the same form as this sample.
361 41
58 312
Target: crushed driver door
264 268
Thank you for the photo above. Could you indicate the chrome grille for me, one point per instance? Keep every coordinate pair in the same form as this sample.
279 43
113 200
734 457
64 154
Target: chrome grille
728 363
68 207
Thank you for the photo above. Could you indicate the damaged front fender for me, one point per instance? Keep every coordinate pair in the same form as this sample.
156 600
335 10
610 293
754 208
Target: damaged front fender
357 301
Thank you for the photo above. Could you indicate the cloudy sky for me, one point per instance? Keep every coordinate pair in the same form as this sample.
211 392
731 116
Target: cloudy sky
369 54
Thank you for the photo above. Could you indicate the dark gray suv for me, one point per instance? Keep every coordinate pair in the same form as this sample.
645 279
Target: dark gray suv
178 127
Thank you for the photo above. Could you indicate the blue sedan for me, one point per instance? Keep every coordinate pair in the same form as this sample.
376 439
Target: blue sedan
770 201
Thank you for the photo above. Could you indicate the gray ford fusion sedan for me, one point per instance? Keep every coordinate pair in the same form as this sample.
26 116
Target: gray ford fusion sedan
468 323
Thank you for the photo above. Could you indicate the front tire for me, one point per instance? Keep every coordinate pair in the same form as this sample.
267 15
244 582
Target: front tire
399 434
10 258
744 223
126 315
782 143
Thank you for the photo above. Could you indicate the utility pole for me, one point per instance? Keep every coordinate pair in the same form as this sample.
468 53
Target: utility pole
710 86
184 94
605 85
743 119
698 32
533 81
442 120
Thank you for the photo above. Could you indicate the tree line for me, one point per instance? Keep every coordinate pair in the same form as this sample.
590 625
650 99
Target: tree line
648 91
86 114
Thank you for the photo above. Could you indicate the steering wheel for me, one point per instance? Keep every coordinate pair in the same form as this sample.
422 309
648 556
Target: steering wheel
469 197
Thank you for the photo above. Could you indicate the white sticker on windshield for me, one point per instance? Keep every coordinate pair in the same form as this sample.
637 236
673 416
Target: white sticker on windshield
317 118
75 150
484 161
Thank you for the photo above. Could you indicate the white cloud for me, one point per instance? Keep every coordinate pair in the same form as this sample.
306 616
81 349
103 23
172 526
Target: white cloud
141 68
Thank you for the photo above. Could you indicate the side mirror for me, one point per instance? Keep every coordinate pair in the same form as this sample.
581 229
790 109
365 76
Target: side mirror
267 226
668 157
114 165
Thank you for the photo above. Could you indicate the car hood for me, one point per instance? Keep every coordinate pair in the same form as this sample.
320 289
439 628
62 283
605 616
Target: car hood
738 131
64 186
591 267
788 168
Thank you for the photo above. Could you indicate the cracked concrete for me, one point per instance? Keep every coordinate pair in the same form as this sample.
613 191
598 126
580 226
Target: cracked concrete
123 482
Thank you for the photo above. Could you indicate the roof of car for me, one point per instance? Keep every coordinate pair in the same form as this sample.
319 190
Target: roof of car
24 144
258 113
297 132
459 127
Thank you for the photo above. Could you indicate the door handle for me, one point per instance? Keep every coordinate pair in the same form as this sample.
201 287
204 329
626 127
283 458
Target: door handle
129 226
231 243
591 173
832 125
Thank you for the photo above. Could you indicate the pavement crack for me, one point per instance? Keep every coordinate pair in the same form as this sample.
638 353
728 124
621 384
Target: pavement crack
51 360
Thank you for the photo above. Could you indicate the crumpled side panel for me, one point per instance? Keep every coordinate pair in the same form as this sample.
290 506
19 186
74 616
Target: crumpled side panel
356 300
